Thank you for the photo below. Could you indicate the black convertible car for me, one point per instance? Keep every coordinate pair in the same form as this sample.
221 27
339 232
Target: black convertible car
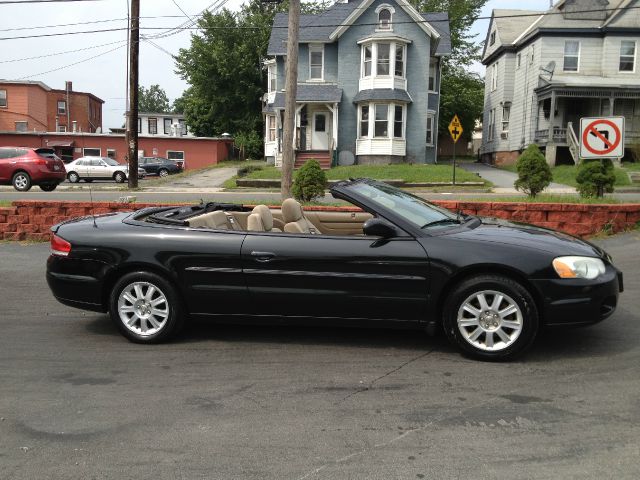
398 260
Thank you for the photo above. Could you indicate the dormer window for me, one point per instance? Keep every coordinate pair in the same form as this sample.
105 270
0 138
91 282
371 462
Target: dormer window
385 17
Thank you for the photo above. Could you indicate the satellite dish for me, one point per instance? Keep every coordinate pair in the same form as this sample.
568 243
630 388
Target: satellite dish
549 69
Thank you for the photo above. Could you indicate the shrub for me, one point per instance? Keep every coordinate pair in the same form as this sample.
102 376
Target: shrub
244 171
310 182
534 174
595 177
249 144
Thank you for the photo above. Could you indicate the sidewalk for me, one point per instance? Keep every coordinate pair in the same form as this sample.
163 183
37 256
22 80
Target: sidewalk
503 179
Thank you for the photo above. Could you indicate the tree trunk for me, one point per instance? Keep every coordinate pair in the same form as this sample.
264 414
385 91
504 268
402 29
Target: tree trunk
291 84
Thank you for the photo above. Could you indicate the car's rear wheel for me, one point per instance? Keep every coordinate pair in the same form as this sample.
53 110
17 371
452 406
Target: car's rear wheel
163 172
145 308
48 187
21 181
119 177
73 177
491 317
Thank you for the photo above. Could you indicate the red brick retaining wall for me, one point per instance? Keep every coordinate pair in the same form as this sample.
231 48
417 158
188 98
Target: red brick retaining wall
31 219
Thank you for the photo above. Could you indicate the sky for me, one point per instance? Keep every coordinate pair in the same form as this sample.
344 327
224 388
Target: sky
102 70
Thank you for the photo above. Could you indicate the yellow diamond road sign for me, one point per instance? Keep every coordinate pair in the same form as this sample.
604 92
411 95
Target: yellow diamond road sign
455 128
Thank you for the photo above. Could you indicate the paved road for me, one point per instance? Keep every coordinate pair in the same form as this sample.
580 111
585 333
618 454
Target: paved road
241 402
503 179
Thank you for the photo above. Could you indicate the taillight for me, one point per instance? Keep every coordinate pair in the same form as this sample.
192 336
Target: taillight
59 246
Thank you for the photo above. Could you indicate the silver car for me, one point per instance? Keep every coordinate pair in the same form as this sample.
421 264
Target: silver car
98 168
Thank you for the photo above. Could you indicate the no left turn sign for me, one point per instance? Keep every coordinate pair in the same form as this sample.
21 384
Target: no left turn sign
602 137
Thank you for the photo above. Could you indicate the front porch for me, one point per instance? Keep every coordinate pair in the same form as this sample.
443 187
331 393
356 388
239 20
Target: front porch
559 110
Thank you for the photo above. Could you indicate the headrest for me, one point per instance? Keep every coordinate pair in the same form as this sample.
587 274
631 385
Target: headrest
254 223
265 215
219 219
291 211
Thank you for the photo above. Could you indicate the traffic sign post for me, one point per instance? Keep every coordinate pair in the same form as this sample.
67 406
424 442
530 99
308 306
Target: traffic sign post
602 137
455 130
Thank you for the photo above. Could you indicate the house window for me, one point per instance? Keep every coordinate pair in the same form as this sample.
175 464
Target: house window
167 126
364 121
506 113
430 123
316 60
366 69
111 153
91 152
492 120
62 107
62 128
271 77
492 38
518 60
3 98
175 155
627 55
571 55
21 126
153 126
533 54
271 128
398 121
383 59
381 127
494 77
399 68
139 125
433 64
384 19
183 127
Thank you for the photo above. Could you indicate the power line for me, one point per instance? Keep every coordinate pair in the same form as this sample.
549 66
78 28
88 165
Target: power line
18 2
60 53
37 27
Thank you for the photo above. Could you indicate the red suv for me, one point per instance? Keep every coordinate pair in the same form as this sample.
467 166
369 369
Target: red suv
23 167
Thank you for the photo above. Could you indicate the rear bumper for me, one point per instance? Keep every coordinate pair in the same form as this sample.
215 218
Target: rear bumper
580 302
44 175
80 289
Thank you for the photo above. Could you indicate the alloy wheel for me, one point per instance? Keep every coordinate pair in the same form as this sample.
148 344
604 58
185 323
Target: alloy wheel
490 320
143 308
21 181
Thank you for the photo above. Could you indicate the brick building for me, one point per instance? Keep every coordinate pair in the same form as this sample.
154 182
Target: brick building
28 106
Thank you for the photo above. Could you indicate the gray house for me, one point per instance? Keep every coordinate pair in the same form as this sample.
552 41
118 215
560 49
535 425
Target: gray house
546 70
368 84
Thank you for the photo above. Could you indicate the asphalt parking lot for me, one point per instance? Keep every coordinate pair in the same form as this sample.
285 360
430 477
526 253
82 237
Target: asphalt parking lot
267 402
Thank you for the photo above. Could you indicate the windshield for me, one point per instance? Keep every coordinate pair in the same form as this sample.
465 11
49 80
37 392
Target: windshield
412 208
110 161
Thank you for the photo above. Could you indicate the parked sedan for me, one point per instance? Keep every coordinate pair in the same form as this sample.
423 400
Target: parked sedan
398 260
25 167
159 166
98 168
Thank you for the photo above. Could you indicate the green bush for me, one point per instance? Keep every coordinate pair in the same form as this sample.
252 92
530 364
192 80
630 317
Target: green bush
250 144
595 177
534 174
309 182
244 171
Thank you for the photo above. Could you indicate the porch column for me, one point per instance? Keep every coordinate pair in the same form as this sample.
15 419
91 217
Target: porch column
611 102
335 126
552 116
296 125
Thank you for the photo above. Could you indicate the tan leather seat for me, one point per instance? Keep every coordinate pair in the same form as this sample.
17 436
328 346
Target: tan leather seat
261 220
217 220
294 219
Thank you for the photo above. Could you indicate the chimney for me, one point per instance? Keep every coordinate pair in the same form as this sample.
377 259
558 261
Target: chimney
68 86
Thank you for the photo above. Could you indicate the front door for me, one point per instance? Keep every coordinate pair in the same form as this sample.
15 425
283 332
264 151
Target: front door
333 276
320 132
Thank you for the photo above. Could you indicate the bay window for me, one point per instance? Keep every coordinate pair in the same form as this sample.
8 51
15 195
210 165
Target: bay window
382 122
364 121
383 59
398 121
388 121
368 52
399 68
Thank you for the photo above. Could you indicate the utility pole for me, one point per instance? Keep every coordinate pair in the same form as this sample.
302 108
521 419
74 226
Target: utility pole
132 120
291 88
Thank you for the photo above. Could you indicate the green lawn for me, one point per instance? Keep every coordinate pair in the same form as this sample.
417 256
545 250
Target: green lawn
549 198
566 174
406 172
5 203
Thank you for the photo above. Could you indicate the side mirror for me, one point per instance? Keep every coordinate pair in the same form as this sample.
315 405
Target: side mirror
376 227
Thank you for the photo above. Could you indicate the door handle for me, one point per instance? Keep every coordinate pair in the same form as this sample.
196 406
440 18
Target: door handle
263 256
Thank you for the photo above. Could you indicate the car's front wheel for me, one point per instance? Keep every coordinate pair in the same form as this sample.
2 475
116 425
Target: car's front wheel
48 187
21 181
119 177
145 308
491 317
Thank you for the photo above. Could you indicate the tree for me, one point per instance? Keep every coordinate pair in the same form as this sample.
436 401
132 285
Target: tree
153 99
461 93
534 174
595 177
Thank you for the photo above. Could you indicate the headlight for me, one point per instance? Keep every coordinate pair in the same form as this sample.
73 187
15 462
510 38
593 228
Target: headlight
578 267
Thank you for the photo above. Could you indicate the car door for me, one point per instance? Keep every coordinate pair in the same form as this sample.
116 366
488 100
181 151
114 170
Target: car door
7 156
336 276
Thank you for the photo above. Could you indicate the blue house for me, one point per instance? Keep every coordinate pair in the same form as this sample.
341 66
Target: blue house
368 84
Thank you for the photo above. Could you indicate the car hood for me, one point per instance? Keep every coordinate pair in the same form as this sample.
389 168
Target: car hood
495 230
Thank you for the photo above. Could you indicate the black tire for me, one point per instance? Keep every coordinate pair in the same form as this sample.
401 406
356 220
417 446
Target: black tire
492 323
21 181
163 172
48 187
73 177
170 326
119 177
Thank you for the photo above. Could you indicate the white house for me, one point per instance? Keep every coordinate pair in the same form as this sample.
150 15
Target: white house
163 124
546 70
